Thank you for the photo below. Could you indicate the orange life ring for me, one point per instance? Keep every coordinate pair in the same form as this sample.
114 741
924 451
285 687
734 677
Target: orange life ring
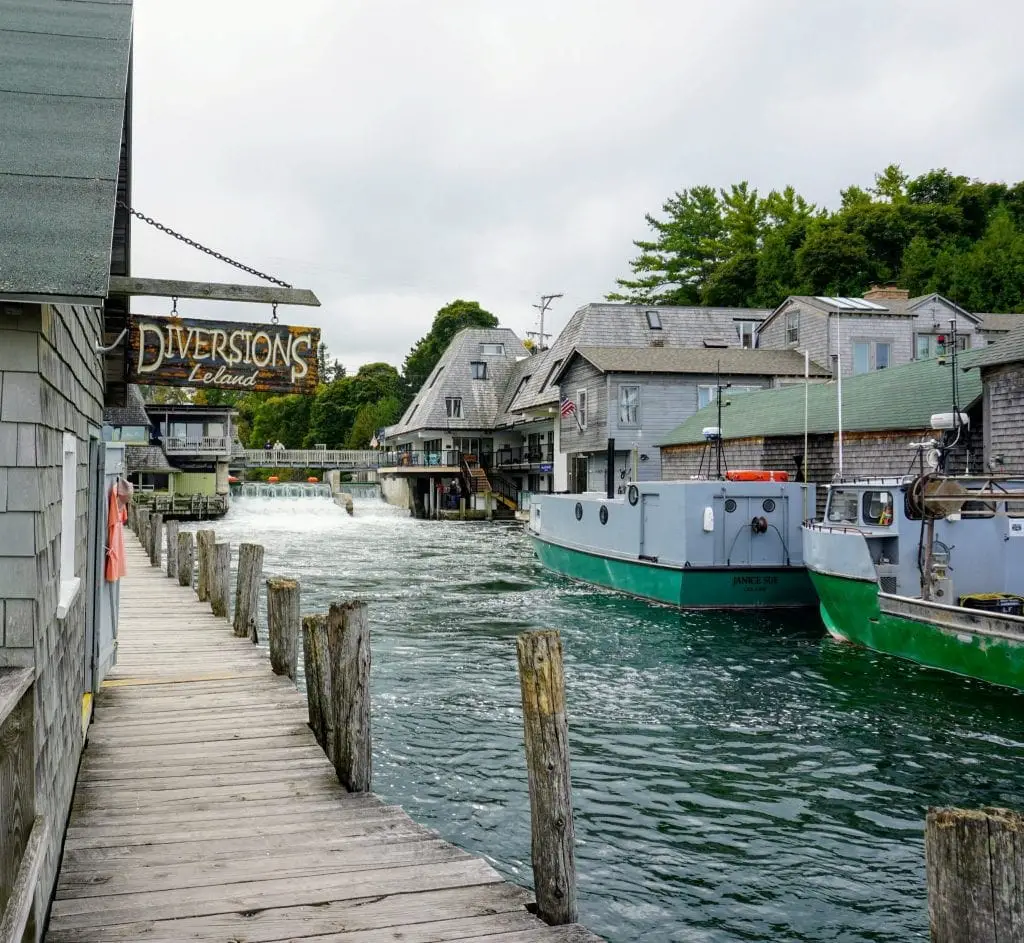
273 479
753 474
313 480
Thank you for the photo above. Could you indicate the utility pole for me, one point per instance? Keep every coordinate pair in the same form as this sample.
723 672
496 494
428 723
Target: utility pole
545 303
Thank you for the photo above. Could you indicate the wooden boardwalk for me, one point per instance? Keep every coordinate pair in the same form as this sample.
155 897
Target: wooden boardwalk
205 810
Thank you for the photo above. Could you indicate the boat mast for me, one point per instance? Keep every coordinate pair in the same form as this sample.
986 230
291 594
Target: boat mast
718 398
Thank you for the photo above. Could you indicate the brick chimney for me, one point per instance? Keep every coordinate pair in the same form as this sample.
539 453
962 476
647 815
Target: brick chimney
886 292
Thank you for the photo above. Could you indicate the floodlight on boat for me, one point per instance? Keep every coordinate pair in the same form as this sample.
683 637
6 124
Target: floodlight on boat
711 432
947 420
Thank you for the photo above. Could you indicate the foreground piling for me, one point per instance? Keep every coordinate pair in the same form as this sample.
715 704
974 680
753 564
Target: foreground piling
316 663
156 523
205 540
247 591
283 625
975 864
186 558
348 642
220 583
172 548
542 681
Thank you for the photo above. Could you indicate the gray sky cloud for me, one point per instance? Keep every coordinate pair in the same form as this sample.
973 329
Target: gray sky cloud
393 155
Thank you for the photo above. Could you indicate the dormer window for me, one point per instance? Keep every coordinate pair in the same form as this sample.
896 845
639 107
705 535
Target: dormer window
492 350
453 407
478 369
654 320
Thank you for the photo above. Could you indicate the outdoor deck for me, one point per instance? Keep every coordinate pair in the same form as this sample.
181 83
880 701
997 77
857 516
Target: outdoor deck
205 810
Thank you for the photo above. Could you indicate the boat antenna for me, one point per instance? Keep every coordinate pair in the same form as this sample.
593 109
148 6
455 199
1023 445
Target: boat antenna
719 456
949 344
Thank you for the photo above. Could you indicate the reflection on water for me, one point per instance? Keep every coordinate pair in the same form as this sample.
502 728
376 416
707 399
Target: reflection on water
735 777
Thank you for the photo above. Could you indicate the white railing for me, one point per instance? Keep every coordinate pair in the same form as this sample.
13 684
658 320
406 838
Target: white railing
312 458
207 445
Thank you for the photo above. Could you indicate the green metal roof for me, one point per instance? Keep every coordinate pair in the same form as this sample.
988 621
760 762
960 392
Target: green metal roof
62 100
899 398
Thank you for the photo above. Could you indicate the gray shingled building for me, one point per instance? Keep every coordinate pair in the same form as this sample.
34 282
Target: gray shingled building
65 160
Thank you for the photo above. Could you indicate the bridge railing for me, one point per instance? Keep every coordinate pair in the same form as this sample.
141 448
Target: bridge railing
313 458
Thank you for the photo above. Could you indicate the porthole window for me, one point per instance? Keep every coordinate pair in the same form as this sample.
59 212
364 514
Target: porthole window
730 505
603 514
579 511
633 494
768 505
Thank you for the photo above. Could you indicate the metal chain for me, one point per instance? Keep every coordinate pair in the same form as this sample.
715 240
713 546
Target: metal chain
196 245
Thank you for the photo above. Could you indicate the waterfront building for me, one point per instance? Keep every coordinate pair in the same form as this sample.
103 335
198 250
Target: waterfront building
1002 377
885 413
886 328
65 108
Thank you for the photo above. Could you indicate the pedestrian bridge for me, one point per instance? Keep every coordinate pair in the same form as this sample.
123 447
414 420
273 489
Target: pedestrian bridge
354 459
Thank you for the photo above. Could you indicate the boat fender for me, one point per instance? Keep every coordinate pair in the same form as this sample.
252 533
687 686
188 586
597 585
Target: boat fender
709 519
759 525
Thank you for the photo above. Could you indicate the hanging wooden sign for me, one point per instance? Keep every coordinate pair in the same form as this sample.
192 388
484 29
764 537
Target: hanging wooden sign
172 351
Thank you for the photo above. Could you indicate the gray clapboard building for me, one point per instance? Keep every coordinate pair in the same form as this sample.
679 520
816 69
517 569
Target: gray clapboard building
65 89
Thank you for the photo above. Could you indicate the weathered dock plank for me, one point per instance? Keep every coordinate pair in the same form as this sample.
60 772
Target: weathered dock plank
206 810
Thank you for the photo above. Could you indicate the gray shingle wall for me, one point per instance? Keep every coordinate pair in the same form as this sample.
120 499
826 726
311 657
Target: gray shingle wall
813 332
53 386
584 376
933 315
1004 411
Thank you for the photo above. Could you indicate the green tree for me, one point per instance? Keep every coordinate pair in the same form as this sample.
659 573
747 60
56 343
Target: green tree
833 262
673 267
371 418
452 318
282 419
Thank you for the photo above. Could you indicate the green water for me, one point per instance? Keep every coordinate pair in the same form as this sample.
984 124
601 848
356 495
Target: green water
734 777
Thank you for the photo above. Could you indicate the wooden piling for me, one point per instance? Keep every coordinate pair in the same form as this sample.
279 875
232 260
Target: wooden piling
247 591
205 540
975 860
220 580
141 520
186 558
172 548
283 625
156 533
348 642
315 660
542 681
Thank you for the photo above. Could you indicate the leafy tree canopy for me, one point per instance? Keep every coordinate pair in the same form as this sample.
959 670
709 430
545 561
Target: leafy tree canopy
734 247
427 351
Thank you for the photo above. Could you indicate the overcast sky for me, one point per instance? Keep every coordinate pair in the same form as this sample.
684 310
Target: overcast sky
393 155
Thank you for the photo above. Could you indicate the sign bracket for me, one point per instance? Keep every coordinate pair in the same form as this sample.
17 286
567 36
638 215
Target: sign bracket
210 291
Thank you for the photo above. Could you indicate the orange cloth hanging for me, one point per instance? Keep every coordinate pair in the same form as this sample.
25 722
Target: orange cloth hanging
117 513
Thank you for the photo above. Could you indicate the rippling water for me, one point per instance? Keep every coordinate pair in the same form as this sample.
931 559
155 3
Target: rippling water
734 777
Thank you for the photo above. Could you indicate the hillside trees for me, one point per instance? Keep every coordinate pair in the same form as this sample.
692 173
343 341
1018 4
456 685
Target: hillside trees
734 247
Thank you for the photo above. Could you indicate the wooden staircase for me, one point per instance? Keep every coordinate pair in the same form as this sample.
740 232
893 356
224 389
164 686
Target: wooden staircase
478 482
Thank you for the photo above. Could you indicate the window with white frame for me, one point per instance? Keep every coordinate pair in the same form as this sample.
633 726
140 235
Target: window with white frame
492 350
871 355
745 332
453 407
707 393
792 327
581 408
478 369
629 404
926 346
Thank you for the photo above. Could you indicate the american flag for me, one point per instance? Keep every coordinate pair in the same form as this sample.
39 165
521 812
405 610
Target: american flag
568 407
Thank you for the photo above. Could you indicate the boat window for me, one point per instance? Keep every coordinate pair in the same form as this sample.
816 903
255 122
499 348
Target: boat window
878 508
1015 508
842 506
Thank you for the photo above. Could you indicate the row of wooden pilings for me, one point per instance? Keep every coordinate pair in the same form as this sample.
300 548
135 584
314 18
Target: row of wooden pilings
336 661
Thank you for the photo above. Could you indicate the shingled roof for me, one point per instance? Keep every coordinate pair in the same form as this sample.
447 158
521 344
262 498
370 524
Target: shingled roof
133 413
899 398
1008 349
452 376
621 326
740 361
65 73
147 458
